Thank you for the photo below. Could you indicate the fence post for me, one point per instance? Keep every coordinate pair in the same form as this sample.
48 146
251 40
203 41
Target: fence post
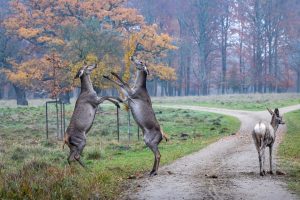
64 113
128 128
61 120
118 124
57 126
47 120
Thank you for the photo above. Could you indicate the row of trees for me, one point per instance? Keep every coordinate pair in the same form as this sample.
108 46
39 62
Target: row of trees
192 47
230 45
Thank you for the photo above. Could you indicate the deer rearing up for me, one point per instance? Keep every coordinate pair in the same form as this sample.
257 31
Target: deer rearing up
264 136
84 114
141 107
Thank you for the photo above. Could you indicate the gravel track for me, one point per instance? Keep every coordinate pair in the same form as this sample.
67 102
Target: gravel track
226 169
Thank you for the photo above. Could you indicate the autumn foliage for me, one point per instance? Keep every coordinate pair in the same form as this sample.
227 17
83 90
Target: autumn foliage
56 37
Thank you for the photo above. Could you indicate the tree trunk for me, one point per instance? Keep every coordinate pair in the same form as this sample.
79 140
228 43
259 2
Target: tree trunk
298 81
265 68
155 87
258 45
1 93
161 88
276 63
21 96
241 62
224 32
187 79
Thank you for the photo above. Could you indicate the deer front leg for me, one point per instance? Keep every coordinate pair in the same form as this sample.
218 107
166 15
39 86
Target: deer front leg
114 100
119 78
126 90
115 82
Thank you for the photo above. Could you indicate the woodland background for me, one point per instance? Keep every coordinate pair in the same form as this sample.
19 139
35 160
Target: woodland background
195 47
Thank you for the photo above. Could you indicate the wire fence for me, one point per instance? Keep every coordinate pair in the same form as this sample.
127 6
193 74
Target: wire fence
110 122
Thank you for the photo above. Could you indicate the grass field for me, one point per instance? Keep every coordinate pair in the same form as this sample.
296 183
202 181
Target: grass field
289 150
252 102
32 167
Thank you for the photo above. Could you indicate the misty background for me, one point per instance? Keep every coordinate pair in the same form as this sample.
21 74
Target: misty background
221 47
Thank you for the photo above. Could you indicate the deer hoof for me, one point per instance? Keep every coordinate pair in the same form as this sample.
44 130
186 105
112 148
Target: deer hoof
262 174
153 173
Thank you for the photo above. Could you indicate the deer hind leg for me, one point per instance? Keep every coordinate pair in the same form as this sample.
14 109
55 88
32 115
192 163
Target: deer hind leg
79 152
270 151
154 149
77 145
258 145
262 162
153 145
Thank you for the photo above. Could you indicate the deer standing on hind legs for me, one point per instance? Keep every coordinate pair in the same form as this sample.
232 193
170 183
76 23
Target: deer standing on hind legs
141 107
84 114
264 135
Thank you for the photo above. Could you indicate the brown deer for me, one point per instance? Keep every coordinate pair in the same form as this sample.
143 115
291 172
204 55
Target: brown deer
141 107
264 135
83 114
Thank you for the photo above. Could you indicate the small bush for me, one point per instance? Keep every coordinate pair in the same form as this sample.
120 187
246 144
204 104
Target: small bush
93 154
19 154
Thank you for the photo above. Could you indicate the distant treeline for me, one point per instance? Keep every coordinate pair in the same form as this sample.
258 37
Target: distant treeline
196 47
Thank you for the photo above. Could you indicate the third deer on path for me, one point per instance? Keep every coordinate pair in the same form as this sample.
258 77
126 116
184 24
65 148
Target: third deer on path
141 107
264 135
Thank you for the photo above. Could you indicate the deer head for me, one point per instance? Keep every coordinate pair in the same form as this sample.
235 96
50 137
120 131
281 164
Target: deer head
276 118
85 70
139 64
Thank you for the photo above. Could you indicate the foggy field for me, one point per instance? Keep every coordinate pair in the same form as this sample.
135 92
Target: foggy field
31 166
235 101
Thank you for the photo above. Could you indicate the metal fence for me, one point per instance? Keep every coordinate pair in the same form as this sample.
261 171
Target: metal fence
55 116
122 125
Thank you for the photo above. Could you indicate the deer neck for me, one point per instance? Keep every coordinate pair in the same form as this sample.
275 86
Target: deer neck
86 84
274 124
140 81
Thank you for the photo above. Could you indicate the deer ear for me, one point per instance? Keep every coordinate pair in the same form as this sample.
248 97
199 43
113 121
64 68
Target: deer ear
79 74
270 111
91 67
276 111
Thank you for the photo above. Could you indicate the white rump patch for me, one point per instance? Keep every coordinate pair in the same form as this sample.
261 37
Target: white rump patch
260 128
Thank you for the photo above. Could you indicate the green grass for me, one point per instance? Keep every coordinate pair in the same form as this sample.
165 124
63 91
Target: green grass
289 150
32 167
252 102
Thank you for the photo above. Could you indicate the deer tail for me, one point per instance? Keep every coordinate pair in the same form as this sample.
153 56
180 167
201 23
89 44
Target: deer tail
126 106
165 136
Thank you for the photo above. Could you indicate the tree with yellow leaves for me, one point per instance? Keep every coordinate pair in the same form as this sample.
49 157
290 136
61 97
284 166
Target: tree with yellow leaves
61 35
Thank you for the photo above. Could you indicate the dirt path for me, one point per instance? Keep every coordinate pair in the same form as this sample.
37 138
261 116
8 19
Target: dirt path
232 159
